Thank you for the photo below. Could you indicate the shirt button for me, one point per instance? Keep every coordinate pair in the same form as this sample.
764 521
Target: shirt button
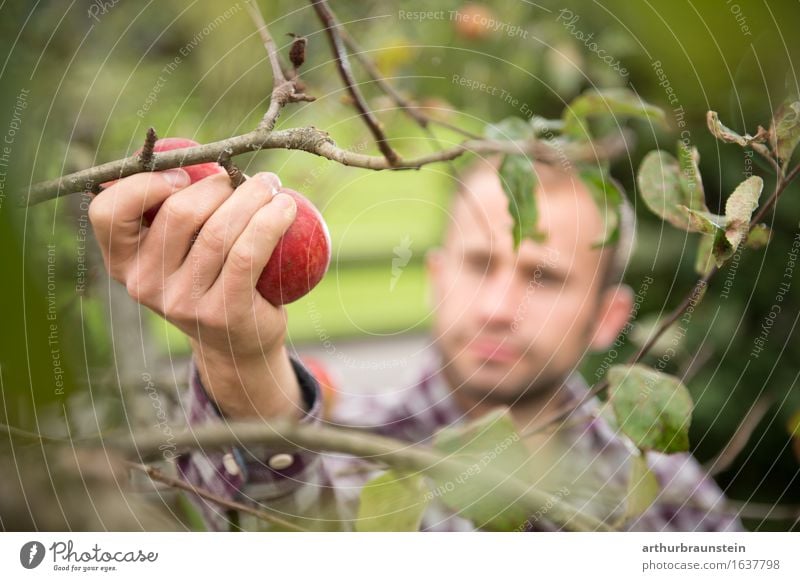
229 462
280 461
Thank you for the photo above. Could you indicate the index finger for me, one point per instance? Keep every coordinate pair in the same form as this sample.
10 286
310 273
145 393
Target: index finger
116 212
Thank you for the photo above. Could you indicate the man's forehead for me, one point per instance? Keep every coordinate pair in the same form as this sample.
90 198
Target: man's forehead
566 213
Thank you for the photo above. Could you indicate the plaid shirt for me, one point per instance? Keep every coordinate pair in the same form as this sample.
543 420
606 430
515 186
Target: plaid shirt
321 491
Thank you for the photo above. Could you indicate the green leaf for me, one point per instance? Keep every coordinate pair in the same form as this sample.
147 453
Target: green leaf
739 209
728 135
705 255
653 409
519 184
509 129
490 442
392 502
608 200
728 231
704 222
758 237
643 487
191 514
612 103
784 133
541 125
690 178
665 188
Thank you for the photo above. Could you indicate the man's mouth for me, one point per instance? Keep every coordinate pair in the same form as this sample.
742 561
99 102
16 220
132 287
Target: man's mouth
493 350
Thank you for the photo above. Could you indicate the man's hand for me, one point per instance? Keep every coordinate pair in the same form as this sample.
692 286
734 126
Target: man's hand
197 266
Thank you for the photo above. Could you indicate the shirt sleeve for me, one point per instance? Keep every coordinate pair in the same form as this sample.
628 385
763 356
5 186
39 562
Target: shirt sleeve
255 475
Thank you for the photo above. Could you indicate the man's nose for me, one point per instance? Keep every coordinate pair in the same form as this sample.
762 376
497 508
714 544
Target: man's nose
498 298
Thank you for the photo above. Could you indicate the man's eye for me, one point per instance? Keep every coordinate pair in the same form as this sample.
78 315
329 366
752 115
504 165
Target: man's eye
543 277
478 263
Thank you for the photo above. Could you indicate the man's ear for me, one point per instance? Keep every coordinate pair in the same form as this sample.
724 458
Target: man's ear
616 304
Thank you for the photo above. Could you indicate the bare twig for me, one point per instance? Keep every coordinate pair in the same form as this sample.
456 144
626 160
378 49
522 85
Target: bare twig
146 155
19 432
406 106
741 436
272 51
779 189
283 90
158 476
317 142
376 76
234 173
332 28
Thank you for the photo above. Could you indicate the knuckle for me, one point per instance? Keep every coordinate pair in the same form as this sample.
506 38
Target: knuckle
213 237
99 213
180 208
133 285
213 319
240 258
179 308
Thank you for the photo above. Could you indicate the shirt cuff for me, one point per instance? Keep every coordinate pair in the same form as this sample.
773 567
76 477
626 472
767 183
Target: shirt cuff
259 472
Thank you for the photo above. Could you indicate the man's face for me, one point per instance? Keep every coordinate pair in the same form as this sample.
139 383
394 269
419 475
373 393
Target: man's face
508 322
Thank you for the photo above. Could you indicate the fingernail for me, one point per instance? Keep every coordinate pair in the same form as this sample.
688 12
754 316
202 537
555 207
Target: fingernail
176 177
271 180
285 203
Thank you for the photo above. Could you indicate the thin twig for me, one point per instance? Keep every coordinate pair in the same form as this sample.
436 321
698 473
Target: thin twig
779 188
283 90
234 173
741 436
278 77
158 476
317 142
343 65
423 120
376 76
19 432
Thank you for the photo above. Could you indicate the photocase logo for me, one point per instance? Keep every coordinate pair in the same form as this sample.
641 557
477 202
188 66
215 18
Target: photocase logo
31 554
402 254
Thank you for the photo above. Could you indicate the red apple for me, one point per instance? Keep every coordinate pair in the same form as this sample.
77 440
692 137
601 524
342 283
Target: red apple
300 259
474 21
196 172
303 253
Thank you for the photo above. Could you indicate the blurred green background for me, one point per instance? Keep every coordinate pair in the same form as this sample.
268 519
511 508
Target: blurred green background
98 75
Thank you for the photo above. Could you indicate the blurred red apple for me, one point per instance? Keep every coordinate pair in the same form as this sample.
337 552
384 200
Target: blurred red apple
474 21
196 172
300 259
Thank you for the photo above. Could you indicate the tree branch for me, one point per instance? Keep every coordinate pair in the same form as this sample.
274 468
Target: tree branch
158 476
283 435
741 436
423 120
317 142
283 90
272 51
332 28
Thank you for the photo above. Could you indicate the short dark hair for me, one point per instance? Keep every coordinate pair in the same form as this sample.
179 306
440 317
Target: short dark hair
620 251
